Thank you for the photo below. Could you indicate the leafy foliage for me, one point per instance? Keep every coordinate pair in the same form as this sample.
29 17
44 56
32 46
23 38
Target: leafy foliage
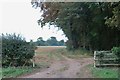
40 42
52 41
114 21
116 51
16 51
86 25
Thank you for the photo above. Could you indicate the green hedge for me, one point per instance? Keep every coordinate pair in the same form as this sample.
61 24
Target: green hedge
116 51
16 51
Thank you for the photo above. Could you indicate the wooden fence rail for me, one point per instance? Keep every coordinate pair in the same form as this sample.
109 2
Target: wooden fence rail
105 58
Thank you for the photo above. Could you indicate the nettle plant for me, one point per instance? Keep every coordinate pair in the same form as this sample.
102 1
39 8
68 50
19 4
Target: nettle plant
16 51
116 51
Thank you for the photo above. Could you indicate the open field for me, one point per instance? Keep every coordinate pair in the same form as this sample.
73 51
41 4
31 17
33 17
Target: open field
48 48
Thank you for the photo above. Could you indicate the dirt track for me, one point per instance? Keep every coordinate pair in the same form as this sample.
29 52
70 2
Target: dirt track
69 68
65 68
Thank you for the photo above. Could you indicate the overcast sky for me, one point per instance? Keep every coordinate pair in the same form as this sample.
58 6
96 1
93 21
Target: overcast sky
19 17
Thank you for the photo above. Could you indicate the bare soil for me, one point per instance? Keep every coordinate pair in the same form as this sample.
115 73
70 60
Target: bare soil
70 68
48 48
67 68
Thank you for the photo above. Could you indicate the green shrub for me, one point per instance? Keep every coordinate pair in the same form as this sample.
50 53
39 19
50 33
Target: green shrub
68 44
15 50
116 51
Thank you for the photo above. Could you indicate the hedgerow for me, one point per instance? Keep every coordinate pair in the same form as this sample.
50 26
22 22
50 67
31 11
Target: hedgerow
16 51
116 51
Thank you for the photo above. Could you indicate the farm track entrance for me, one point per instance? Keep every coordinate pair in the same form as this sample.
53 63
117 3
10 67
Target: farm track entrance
66 68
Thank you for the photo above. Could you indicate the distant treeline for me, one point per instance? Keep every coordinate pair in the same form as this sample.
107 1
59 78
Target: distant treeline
52 41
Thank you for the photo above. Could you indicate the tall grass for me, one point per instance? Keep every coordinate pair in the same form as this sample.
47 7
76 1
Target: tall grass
104 72
12 72
79 53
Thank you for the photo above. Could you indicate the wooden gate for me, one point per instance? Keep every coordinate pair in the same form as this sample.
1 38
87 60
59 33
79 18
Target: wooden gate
105 58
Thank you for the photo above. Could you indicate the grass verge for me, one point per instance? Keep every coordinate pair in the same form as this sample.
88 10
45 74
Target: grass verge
103 72
76 54
0 73
12 72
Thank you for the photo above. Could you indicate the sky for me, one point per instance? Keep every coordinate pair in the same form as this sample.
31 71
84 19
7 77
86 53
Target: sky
18 16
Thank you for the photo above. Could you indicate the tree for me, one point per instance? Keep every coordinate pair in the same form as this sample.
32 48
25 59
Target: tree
61 43
40 42
52 41
83 23
114 20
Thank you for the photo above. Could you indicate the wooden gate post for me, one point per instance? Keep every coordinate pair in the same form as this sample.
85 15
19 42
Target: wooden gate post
94 58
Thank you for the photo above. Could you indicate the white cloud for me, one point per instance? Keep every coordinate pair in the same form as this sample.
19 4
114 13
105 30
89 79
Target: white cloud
15 0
